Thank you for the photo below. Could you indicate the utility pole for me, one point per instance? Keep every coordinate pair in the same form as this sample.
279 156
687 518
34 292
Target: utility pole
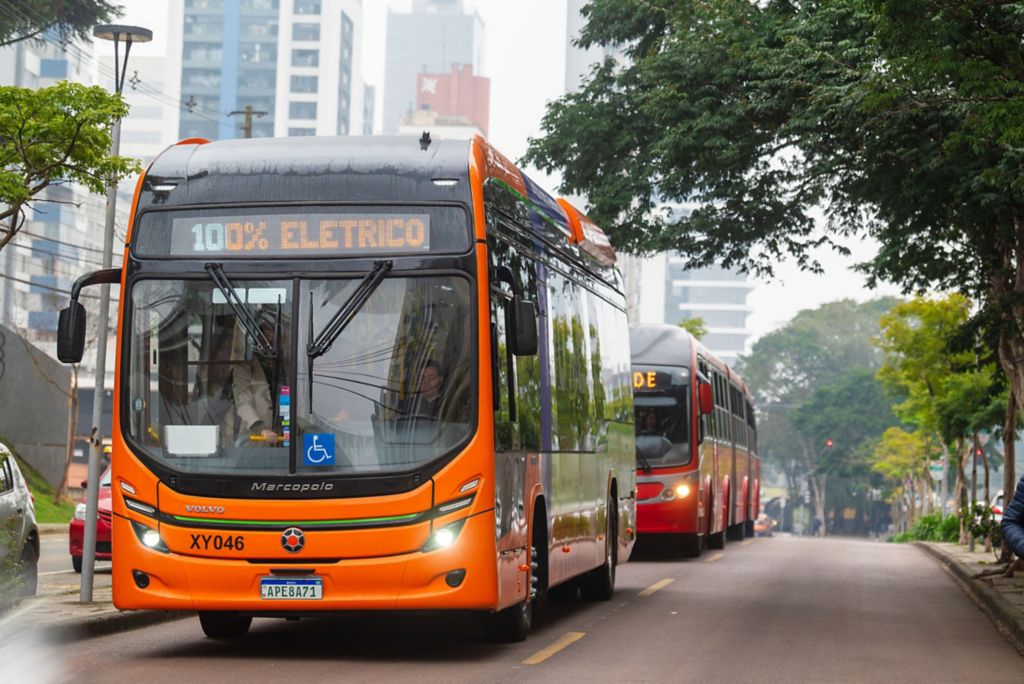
248 113
118 33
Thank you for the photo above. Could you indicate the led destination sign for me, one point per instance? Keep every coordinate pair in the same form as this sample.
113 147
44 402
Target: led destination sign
300 234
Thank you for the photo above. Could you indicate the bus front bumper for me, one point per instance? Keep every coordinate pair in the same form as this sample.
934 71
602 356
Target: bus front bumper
412 581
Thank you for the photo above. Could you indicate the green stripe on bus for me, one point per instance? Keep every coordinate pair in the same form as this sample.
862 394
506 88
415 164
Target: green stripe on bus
304 523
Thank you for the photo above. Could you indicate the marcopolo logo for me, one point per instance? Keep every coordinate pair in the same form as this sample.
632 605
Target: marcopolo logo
292 487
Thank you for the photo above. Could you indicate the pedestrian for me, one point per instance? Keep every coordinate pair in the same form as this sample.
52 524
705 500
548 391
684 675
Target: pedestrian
1013 521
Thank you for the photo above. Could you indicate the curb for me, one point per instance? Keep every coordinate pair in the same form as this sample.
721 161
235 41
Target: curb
112 623
987 598
52 528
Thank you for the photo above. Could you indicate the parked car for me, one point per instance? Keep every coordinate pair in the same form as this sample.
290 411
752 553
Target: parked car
997 507
19 534
763 526
76 535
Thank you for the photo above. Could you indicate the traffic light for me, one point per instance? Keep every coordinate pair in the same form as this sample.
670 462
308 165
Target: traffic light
828 443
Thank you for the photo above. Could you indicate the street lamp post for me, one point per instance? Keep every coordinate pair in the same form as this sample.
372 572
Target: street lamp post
117 33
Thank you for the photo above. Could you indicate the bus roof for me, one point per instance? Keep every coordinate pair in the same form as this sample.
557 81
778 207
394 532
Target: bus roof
660 345
308 169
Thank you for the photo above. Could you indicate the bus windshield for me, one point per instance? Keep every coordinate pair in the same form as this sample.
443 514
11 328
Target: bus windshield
662 416
393 391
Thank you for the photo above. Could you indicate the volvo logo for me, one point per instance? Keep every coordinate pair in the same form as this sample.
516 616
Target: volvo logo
192 508
293 540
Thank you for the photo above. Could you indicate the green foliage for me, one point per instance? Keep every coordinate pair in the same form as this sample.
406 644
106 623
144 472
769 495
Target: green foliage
806 377
695 326
46 510
898 119
931 527
947 392
69 18
55 135
982 523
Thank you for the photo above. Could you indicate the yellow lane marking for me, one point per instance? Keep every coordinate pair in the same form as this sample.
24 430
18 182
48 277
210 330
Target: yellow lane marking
661 584
566 640
745 542
717 556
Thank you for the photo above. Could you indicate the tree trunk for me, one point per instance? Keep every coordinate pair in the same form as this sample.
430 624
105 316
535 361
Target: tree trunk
819 482
961 488
988 493
1009 463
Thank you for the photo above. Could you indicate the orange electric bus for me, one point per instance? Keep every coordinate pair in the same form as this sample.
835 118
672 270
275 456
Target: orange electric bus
698 473
363 374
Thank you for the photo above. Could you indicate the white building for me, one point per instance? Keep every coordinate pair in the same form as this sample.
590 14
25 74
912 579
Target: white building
296 63
435 36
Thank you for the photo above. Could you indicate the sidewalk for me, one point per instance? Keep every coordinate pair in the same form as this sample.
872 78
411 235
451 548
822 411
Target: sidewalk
1001 598
64 618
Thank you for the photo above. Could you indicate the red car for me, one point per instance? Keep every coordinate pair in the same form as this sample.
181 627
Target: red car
77 531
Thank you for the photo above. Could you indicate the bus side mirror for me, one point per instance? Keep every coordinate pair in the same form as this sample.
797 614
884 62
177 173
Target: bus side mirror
524 333
705 398
71 333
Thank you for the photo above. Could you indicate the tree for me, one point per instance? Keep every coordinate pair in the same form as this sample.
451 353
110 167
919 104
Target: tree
55 135
901 119
805 377
949 393
902 457
69 18
694 326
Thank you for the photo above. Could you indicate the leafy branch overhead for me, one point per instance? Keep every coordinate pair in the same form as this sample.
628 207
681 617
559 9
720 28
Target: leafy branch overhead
26 19
902 120
55 135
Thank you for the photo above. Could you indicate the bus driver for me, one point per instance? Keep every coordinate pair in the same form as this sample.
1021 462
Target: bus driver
252 390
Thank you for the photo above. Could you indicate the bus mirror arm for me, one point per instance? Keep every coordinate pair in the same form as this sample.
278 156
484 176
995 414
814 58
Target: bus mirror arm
71 323
707 400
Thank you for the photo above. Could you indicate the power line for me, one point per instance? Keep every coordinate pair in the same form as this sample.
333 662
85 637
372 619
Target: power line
82 259
48 287
105 71
60 242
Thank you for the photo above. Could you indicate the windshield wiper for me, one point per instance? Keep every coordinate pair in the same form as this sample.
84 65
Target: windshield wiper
262 345
643 462
342 317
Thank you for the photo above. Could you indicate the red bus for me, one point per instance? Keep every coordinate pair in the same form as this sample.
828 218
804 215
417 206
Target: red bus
698 472
363 374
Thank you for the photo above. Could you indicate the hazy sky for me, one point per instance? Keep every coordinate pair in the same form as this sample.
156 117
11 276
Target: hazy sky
524 56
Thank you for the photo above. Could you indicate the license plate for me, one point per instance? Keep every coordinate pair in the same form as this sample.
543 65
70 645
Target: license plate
301 589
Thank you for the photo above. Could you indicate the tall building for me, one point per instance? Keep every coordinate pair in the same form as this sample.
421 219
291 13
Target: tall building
453 105
296 64
436 36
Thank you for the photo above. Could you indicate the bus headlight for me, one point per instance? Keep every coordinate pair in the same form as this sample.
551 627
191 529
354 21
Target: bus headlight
80 512
149 537
443 537
683 490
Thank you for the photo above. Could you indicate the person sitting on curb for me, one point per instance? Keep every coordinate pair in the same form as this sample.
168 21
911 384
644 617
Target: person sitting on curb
1013 521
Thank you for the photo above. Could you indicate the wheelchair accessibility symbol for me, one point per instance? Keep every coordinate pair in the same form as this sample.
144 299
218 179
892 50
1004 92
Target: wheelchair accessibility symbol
319 449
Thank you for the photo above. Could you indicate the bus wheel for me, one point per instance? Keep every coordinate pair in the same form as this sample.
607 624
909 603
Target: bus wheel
224 625
690 545
748 527
599 583
514 623
735 532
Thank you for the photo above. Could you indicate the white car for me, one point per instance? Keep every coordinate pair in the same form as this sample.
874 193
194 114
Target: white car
19 534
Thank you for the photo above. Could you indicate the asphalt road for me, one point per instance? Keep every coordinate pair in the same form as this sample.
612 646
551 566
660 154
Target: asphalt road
56 575
766 610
